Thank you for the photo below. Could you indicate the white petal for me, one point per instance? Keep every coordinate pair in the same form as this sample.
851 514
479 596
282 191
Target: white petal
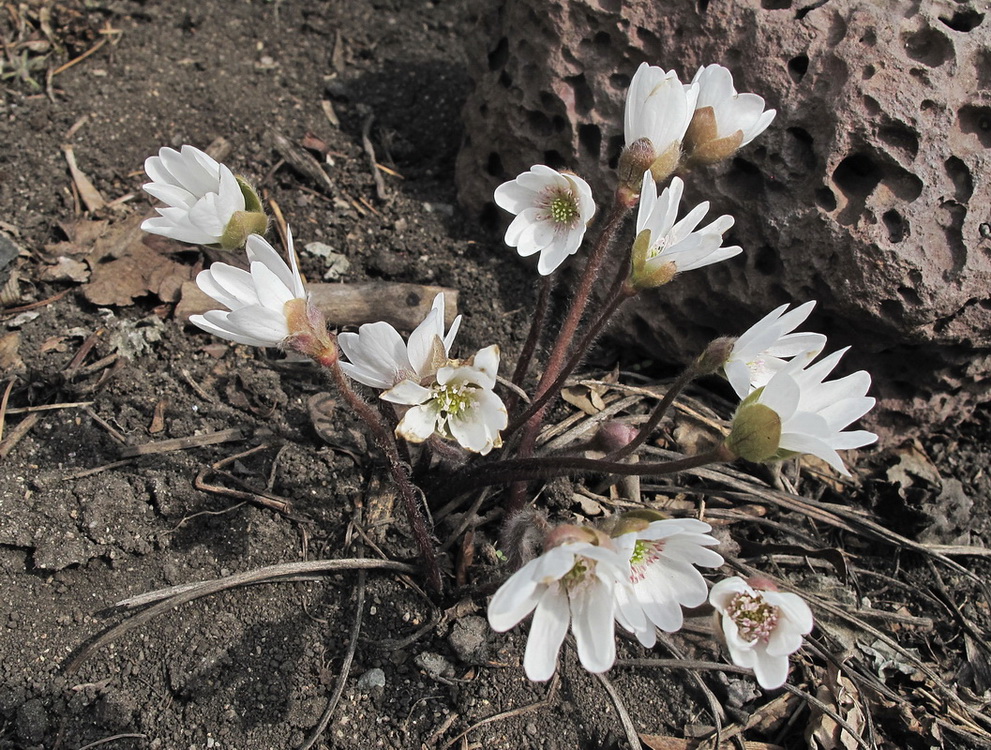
550 625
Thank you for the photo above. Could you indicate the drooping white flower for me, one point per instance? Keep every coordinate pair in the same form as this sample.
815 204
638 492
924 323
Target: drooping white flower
552 212
206 204
665 246
762 350
762 627
255 300
663 578
381 359
723 120
659 109
798 412
461 404
570 584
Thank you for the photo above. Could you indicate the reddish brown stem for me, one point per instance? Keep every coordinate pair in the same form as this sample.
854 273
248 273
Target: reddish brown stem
407 492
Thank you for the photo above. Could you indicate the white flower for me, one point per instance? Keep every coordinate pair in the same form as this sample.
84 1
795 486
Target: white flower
797 412
670 247
460 405
256 299
762 350
762 628
381 359
575 584
658 107
203 197
552 211
732 112
662 558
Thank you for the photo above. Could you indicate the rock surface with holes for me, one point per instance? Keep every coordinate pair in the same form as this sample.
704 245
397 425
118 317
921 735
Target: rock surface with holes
869 192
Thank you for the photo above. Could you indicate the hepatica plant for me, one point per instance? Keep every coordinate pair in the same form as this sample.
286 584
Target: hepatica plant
447 424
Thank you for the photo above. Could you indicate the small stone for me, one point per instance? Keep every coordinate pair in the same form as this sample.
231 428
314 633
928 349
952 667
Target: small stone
469 639
434 665
373 678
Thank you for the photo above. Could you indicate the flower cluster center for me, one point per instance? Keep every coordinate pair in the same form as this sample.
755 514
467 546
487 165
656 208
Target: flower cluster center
754 617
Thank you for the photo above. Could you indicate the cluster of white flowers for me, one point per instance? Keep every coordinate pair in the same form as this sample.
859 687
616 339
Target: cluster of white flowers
644 572
642 579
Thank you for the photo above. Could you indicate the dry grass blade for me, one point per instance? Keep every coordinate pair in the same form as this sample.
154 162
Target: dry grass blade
551 691
632 736
172 597
342 678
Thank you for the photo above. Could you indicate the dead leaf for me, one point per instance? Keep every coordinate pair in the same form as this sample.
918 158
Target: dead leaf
822 731
322 408
82 233
87 192
586 398
158 418
124 268
10 359
913 464
66 269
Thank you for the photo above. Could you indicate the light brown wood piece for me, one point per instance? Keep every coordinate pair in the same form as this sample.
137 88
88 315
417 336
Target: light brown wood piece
402 305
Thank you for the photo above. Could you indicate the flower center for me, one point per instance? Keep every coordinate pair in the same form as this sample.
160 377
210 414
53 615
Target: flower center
657 248
754 617
561 208
455 399
579 573
644 554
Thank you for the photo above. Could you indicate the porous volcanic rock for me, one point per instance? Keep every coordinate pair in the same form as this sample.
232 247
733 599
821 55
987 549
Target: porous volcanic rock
869 192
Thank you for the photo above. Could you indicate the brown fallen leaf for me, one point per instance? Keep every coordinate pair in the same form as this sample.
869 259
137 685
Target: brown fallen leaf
822 731
10 358
66 269
124 268
587 398
87 192
158 417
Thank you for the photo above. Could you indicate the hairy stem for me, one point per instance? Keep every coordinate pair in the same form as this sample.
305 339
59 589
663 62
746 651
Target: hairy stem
407 492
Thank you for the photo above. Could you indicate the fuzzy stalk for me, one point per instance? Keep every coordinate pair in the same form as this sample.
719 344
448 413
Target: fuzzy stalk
407 492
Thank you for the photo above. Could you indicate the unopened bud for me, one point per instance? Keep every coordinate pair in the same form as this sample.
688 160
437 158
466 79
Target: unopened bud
569 533
634 520
612 436
714 356
636 159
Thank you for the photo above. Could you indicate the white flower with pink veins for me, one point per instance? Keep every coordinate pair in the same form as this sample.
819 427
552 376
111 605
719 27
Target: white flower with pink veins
663 576
552 209
762 626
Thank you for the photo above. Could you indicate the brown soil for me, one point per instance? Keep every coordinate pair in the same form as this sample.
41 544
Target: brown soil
255 667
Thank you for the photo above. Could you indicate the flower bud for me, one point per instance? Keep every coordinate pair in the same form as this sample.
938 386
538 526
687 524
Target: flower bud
569 533
756 431
611 436
636 159
714 356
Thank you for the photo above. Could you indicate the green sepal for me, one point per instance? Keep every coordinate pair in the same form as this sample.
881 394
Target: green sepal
252 202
